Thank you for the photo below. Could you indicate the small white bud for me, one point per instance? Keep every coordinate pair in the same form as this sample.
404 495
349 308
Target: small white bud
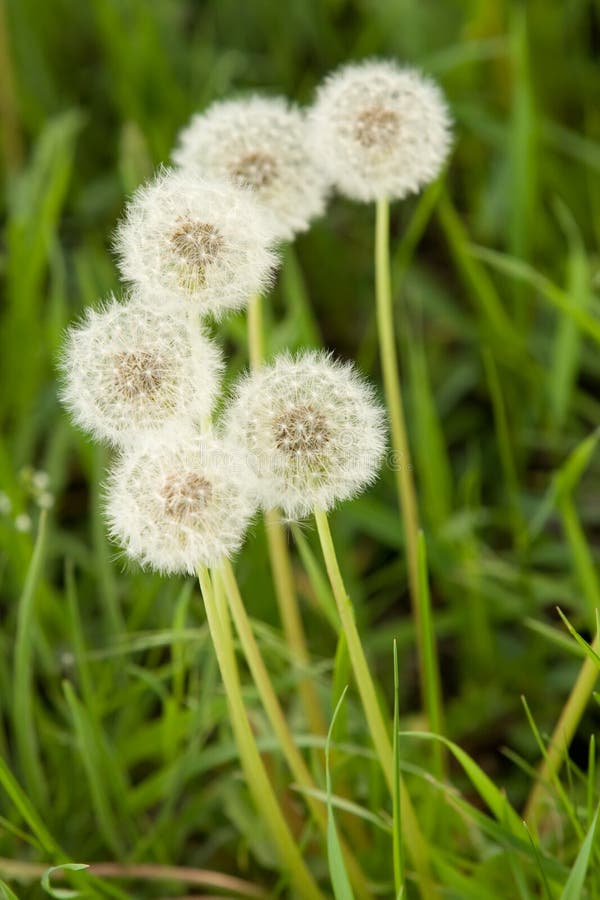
198 243
176 508
260 143
131 372
312 429
23 522
380 130
40 480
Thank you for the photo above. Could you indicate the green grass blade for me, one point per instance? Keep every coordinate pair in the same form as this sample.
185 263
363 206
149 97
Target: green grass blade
23 689
61 893
493 797
566 354
27 811
431 668
6 893
337 867
559 299
573 889
92 764
397 848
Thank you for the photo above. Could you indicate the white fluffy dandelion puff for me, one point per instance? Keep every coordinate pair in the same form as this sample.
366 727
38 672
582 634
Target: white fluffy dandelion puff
380 130
130 373
205 243
173 509
312 429
260 143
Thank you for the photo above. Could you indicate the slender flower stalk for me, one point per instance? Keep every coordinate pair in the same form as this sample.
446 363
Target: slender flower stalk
277 718
393 395
252 764
279 557
415 842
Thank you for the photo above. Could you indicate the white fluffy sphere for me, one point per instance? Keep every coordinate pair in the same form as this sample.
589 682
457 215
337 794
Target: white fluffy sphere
173 509
205 243
312 429
260 143
131 373
380 130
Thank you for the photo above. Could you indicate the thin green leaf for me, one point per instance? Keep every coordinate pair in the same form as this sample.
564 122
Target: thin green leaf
337 867
61 893
574 886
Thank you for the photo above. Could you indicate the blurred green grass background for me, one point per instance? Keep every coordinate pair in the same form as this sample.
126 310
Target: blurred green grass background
111 716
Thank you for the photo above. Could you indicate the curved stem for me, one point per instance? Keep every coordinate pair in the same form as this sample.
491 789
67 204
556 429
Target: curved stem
252 764
277 718
416 845
393 397
279 557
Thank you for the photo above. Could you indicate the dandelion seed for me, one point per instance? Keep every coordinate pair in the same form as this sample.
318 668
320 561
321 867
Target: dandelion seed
196 242
130 372
380 130
312 429
260 143
176 508
23 523
40 480
45 500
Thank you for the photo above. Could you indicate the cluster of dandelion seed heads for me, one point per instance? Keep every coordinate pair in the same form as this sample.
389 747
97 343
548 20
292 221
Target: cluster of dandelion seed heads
300 434
312 429
130 373
380 130
206 244
175 508
260 143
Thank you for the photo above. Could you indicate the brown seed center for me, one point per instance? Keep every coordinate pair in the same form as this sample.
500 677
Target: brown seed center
301 430
376 126
258 170
197 243
186 496
137 374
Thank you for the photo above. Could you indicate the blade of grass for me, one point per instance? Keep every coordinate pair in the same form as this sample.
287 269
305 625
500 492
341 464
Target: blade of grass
558 298
573 889
337 868
397 848
89 751
433 690
552 755
23 690
566 354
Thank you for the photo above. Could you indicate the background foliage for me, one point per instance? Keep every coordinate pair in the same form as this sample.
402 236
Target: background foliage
114 737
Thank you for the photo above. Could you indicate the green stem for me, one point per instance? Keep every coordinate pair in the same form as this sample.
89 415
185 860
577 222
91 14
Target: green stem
255 332
279 557
434 707
416 845
562 735
393 396
26 738
277 718
252 764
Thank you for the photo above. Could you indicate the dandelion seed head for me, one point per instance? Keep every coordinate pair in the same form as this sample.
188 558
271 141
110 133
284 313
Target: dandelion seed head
200 242
260 143
131 373
380 130
312 429
174 508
